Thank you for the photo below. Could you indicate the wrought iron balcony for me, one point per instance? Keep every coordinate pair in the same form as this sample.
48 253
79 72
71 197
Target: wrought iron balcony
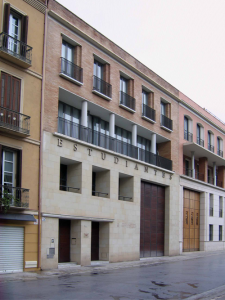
166 122
211 211
148 112
11 49
210 180
200 142
220 213
17 197
105 141
99 194
188 136
15 121
127 100
71 70
210 147
125 198
102 86
68 189
220 153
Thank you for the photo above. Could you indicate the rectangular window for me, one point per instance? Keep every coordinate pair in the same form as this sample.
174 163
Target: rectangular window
186 128
211 205
165 110
148 105
210 232
68 120
220 207
67 59
63 177
123 143
10 92
220 232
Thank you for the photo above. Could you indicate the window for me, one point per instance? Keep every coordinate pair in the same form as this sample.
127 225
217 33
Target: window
210 232
100 131
123 85
70 175
101 80
210 141
200 135
210 205
219 146
98 69
187 170
67 55
210 177
126 185
68 120
126 93
220 232
220 207
124 138
147 105
166 122
100 182
63 177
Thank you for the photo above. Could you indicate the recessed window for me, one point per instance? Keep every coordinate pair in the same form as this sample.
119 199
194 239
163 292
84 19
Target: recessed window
101 84
211 205
70 175
100 182
219 146
166 122
200 135
220 232
220 207
148 105
126 94
69 120
126 184
210 232
188 129
210 141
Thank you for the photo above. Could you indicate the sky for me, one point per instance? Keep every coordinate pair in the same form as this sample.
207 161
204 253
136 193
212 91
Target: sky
183 41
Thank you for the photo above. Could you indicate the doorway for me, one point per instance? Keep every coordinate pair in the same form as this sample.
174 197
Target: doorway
64 241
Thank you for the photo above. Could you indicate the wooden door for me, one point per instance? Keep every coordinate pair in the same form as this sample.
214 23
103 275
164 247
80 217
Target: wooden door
95 241
191 220
64 241
152 220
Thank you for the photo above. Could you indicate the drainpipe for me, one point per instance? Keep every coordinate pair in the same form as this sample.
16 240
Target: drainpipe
41 138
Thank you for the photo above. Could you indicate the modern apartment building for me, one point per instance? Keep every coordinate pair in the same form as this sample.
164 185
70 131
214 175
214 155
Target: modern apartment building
21 58
110 185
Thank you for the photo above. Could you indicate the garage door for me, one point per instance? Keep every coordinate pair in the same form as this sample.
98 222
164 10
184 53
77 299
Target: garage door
11 249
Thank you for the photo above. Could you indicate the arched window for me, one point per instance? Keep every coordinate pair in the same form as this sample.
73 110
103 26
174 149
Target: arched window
210 141
188 129
219 146
200 135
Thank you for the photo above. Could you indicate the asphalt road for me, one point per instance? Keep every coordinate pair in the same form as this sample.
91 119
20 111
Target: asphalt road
170 280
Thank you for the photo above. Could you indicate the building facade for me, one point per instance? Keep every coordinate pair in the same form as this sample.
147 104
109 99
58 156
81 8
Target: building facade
21 58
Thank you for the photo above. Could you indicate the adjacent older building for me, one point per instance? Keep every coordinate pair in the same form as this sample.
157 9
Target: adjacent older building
21 58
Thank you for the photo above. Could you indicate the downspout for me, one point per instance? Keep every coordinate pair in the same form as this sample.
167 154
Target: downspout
41 139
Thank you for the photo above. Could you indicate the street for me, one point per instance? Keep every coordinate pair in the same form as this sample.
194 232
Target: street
167 280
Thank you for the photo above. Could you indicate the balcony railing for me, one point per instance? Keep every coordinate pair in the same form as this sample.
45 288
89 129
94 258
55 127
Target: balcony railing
200 142
102 86
14 120
220 213
220 153
68 188
187 172
210 180
125 198
127 100
210 147
17 197
16 48
188 136
199 176
166 122
148 112
99 194
211 211
219 183
105 141
70 69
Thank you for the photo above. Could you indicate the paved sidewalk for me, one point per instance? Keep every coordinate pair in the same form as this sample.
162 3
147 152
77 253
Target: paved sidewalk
68 269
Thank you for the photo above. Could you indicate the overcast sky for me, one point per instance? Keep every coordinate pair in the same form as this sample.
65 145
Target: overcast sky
183 41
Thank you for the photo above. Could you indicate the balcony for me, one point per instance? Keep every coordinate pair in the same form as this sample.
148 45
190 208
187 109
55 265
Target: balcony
220 153
188 136
211 148
71 71
187 172
127 102
14 121
148 113
200 142
219 183
68 189
91 136
102 88
15 51
99 194
166 123
15 196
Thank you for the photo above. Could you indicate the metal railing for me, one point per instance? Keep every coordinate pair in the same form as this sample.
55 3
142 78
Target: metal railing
188 136
148 112
91 136
220 153
166 122
70 69
219 183
210 147
210 180
199 176
211 211
14 120
99 194
15 47
17 197
220 213
200 142
68 188
187 172
124 198
102 86
127 100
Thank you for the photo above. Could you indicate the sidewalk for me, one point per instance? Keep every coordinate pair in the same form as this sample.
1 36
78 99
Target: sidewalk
67 269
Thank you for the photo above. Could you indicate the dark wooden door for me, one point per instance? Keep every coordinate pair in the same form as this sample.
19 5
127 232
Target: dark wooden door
152 220
64 241
95 241
191 221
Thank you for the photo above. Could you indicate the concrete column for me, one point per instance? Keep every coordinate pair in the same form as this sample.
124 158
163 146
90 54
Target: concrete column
193 164
214 173
84 113
134 135
153 143
112 125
